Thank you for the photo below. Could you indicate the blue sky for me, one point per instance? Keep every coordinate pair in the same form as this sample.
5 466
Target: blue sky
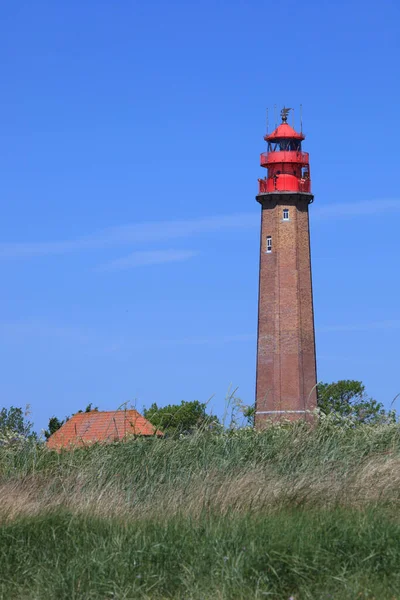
130 140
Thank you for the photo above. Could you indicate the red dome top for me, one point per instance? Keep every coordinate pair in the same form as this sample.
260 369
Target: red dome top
284 131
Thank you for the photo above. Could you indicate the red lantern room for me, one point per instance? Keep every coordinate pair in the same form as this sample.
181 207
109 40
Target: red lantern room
288 166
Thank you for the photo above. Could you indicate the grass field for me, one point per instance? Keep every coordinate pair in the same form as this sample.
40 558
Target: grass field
291 512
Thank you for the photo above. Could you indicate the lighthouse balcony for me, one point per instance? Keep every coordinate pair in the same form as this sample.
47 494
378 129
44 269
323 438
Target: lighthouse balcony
268 158
284 183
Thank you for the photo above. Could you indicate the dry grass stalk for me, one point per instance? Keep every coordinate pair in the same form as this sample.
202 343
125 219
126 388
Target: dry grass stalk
256 490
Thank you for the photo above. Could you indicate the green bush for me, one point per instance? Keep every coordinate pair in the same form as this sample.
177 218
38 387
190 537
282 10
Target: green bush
180 419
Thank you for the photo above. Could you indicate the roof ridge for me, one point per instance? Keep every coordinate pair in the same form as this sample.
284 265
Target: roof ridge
103 412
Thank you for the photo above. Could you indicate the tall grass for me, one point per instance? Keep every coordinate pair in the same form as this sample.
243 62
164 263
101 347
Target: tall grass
308 554
293 511
240 471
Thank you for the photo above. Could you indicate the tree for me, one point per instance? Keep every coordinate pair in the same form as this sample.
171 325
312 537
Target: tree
89 408
347 398
14 424
53 426
183 418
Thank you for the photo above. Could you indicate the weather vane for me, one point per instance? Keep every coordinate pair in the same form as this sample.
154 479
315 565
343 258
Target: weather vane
284 114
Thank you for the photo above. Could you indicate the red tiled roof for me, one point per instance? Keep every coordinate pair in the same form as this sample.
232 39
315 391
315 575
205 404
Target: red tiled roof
97 426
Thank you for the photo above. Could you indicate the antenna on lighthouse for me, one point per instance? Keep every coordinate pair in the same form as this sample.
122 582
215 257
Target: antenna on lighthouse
301 118
275 119
293 123
267 121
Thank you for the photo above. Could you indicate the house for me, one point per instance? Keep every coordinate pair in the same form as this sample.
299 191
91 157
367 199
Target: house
85 428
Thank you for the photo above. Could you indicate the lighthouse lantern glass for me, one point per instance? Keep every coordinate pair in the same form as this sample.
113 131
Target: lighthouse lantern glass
287 165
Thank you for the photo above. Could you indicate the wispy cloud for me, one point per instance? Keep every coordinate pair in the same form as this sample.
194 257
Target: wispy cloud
373 325
251 337
139 233
115 341
145 258
162 231
110 341
355 209
208 340
38 329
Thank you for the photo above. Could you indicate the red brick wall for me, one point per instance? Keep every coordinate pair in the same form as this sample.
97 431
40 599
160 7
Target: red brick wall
286 371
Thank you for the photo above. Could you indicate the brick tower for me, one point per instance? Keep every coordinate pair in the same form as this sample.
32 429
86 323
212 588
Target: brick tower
286 366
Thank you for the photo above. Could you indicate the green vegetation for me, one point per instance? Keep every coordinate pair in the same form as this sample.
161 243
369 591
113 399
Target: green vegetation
348 398
307 554
54 425
344 398
180 419
15 426
296 511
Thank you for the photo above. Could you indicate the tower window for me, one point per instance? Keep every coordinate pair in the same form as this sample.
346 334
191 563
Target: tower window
286 214
269 243
305 173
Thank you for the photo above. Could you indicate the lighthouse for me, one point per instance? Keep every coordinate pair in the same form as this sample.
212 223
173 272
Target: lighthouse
286 362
